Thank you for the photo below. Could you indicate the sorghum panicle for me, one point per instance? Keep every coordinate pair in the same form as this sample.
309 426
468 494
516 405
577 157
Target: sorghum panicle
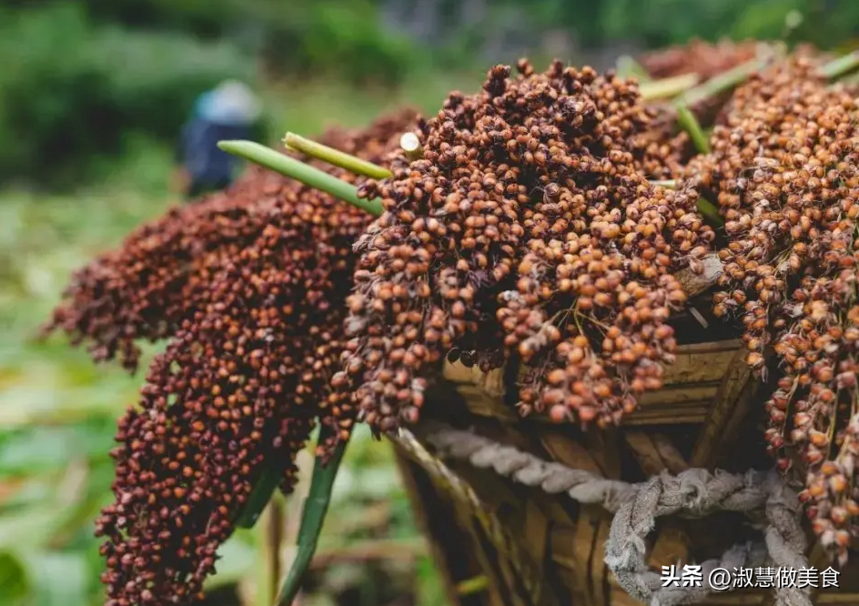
249 286
527 229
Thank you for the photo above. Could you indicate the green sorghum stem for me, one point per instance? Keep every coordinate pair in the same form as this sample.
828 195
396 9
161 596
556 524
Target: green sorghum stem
668 88
666 183
335 157
840 66
722 82
710 212
295 169
688 122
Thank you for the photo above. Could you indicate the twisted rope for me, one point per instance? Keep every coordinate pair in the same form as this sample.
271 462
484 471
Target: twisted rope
461 490
761 496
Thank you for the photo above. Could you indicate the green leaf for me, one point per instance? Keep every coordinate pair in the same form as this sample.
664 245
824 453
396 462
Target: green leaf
14 581
688 122
295 169
44 449
312 517
44 578
710 213
260 496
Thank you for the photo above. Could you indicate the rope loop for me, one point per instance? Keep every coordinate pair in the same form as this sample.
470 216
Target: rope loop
761 496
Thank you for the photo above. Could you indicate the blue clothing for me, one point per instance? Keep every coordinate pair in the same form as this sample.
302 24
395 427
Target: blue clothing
227 112
199 152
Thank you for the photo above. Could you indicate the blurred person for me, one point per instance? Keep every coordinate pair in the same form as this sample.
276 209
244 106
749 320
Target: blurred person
230 111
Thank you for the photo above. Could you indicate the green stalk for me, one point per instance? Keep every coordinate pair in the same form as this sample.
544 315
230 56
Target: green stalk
666 183
295 169
312 517
335 157
710 212
723 82
850 79
840 66
739 74
260 496
472 585
688 122
668 88
627 67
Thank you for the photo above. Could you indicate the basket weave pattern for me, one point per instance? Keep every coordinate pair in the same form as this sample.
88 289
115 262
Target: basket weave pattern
541 550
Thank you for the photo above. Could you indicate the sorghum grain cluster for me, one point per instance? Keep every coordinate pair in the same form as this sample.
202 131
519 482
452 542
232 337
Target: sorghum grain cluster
527 230
785 171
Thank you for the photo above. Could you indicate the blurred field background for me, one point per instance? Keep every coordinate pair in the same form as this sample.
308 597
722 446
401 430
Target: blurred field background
92 96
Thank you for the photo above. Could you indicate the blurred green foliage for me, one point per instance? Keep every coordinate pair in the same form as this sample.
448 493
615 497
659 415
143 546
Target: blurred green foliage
657 23
344 39
331 37
825 23
70 91
80 77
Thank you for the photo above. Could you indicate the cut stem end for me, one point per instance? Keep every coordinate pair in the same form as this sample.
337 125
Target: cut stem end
412 146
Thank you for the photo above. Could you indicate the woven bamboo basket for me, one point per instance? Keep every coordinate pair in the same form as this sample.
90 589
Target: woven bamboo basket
535 549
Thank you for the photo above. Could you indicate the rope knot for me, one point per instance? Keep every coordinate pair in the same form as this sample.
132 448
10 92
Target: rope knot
692 493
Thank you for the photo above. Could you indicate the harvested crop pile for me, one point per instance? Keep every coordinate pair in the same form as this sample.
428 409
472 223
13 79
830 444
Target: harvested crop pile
784 170
249 286
526 230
